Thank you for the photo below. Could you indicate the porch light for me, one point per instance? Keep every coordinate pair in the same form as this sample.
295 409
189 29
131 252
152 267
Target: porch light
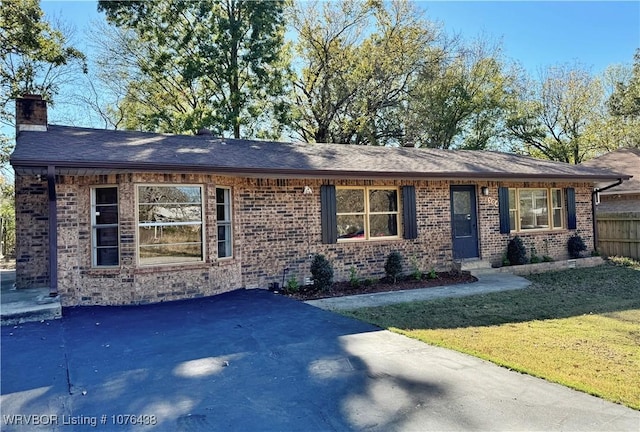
485 190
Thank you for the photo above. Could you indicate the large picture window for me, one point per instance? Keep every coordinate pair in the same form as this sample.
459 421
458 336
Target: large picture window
367 213
104 227
223 216
536 209
170 227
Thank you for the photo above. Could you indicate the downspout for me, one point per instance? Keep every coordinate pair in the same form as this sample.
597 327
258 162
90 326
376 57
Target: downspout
593 210
53 232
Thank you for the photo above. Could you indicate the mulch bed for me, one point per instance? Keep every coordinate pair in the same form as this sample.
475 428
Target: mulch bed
340 289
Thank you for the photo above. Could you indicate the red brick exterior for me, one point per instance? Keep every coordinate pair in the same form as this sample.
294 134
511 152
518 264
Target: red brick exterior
275 227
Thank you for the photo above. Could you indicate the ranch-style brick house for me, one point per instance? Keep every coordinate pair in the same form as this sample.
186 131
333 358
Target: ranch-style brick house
117 217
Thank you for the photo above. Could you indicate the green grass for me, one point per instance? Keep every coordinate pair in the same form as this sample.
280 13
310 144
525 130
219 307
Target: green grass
579 328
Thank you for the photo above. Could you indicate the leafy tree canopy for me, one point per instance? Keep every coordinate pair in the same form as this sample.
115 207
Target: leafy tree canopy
214 64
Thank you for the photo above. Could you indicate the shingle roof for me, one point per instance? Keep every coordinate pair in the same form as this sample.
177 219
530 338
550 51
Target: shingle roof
625 160
73 149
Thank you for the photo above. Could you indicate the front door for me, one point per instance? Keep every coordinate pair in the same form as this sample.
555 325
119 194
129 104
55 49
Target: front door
464 222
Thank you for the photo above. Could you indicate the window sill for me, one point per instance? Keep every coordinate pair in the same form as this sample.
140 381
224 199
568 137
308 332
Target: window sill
371 240
540 231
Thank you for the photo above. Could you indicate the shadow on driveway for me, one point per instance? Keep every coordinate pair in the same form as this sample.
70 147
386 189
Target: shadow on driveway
251 360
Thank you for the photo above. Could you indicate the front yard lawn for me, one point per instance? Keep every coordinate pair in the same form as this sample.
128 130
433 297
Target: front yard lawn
579 328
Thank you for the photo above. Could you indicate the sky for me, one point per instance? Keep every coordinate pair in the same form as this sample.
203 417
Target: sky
537 34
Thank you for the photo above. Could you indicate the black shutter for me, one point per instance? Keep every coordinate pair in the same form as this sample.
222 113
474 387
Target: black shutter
503 208
328 219
571 209
409 219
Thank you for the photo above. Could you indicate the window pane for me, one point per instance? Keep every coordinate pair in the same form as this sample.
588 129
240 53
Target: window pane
383 201
170 213
168 235
222 232
512 201
512 220
557 218
461 202
350 226
534 213
106 214
349 201
557 197
161 254
107 256
220 195
383 225
169 194
221 213
224 249
106 195
107 236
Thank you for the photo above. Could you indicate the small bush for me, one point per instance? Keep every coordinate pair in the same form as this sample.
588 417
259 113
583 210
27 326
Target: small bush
505 260
516 252
535 259
393 266
576 246
354 281
368 282
292 286
624 261
433 274
546 258
322 273
415 272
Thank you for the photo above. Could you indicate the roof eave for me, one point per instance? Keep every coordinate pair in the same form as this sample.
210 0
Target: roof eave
102 167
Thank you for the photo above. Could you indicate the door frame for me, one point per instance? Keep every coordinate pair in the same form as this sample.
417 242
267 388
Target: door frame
473 194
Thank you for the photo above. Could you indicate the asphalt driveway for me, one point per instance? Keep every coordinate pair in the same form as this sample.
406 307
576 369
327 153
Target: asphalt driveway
253 361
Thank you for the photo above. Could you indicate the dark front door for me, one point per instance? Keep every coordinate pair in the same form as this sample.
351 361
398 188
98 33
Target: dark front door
464 222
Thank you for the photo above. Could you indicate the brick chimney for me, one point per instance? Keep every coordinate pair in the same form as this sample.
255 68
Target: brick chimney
31 113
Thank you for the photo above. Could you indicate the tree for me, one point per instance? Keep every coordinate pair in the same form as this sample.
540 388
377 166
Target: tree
35 58
625 99
358 60
553 117
7 219
624 105
460 101
215 64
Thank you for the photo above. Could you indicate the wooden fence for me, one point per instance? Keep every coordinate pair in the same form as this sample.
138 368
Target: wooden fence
619 234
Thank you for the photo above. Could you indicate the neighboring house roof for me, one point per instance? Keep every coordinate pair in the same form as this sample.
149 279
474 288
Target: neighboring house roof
87 151
625 160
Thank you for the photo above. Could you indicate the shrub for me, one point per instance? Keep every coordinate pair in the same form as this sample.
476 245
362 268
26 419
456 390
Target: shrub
292 285
505 260
368 282
354 281
393 266
416 273
576 246
433 274
321 272
546 258
535 259
516 252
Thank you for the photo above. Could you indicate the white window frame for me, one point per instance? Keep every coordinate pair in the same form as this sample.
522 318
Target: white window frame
95 226
367 213
227 223
159 224
514 207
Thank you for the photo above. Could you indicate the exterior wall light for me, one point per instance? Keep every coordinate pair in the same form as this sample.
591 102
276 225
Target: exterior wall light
485 190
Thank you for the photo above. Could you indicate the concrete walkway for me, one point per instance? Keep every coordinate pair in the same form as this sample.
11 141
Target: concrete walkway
25 305
487 282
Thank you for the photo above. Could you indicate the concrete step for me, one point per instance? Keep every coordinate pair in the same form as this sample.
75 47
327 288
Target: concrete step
27 305
474 264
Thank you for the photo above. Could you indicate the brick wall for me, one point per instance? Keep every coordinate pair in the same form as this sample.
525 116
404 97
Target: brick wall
32 232
275 227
